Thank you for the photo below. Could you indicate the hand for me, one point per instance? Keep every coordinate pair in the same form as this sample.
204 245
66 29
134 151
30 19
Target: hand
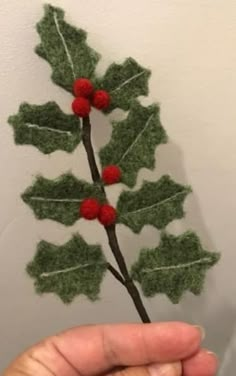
163 349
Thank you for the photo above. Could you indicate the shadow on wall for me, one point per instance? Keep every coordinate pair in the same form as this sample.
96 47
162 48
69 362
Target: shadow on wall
210 310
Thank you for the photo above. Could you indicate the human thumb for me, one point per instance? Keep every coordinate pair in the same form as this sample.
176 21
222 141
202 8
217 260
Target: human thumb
165 369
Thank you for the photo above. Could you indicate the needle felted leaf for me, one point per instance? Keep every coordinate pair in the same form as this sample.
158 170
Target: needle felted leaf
60 199
155 203
69 270
65 48
125 82
177 265
133 142
46 127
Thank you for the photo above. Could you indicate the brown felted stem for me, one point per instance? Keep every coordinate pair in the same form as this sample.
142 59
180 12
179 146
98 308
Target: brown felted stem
129 284
115 273
111 230
86 137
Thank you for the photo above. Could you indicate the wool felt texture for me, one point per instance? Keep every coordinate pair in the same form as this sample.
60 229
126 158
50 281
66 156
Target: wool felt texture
83 88
46 127
111 174
107 215
101 99
69 270
155 203
60 199
178 264
65 49
89 208
124 82
134 141
81 107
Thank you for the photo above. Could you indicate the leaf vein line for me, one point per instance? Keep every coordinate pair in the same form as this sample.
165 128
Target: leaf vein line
179 266
127 81
67 270
48 129
38 198
136 139
70 61
157 204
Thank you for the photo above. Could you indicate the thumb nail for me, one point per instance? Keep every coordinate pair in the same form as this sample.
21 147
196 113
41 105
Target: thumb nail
170 369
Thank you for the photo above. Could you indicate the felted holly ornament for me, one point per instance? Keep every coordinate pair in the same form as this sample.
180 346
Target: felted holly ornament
177 263
90 208
111 174
83 88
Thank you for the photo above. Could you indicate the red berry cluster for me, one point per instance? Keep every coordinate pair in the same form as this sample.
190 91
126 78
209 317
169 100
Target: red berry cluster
86 96
90 209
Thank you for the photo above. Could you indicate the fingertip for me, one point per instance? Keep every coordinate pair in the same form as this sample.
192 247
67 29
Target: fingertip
204 363
201 330
184 339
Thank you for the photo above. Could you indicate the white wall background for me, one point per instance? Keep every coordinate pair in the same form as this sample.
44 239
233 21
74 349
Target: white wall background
190 47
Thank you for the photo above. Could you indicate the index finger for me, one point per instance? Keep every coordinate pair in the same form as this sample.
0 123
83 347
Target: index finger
92 350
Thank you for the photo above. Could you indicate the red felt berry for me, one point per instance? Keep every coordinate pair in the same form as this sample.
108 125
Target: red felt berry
89 208
107 215
101 99
83 87
111 174
81 107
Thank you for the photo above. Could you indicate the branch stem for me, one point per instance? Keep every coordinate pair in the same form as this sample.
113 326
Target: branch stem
115 273
86 138
124 277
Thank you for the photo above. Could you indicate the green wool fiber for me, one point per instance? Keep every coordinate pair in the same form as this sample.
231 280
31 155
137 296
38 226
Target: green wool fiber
65 49
134 141
155 203
60 199
177 265
125 82
69 270
46 127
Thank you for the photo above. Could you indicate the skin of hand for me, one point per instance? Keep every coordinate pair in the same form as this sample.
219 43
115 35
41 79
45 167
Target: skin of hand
162 349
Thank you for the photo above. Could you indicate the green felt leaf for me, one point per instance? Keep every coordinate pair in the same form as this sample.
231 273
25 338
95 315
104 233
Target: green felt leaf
69 270
46 127
133 142
65 48
60 199
125 82
177 265
155 203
